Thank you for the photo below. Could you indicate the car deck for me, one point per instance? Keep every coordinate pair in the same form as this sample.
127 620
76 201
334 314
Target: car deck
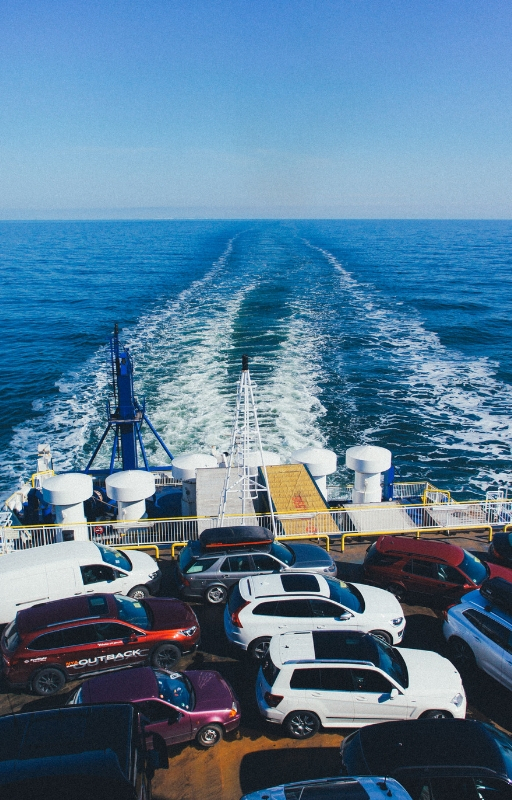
258 755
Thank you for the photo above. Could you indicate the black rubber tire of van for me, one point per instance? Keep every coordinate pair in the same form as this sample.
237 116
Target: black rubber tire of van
48 681
301 724
139 592
216 594
210 735
166 656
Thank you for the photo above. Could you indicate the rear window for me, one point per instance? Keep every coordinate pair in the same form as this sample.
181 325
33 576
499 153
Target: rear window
471 566
201 565
345 594
11 637
270 671
114 557
376 559
300 583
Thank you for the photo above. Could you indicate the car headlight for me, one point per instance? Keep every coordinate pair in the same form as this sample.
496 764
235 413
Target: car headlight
398 621
154 574
189 631
458 700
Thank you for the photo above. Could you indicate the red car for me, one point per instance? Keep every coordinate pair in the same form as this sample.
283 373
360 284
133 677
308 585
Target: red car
51 643
179 706
440 570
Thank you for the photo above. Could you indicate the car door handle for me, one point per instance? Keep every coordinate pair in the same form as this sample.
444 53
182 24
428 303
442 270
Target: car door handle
362 699
316 694
321 626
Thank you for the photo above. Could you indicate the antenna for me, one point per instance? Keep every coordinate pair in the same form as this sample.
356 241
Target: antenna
245 442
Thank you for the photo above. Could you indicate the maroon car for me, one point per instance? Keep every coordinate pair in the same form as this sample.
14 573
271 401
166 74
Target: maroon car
439 570
180 706
51 643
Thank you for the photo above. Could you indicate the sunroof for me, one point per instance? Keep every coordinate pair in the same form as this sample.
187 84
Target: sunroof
300 583
345 645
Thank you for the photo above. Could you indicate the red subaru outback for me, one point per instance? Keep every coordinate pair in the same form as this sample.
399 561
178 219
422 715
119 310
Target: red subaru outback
51 643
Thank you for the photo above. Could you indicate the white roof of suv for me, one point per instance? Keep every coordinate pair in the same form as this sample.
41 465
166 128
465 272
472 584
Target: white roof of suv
287 584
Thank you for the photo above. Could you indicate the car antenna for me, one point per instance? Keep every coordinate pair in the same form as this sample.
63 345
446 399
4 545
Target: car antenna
383 785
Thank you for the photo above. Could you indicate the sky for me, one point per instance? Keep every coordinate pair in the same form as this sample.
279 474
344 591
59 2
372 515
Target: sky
255 109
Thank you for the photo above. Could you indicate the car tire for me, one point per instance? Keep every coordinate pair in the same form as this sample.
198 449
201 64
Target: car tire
139 592
48 681
461 654
216 594
209 735
384 636
166 656
259 648
301 724
438 713
397 590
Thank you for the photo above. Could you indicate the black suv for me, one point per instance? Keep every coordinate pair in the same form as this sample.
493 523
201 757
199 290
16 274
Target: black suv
209 567
434 759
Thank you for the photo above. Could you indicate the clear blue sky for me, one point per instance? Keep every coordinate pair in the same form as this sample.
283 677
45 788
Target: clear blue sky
256 108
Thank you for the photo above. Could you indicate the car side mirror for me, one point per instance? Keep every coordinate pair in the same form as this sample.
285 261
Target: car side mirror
394 693
174 717
345 615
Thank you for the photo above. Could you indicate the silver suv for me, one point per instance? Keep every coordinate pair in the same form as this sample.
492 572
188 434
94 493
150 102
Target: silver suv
207 569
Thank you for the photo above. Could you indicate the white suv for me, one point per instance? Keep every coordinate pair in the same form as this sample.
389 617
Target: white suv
346 679
479 630
261 606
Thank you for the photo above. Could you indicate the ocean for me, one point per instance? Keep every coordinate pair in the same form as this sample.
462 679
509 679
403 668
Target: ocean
394 333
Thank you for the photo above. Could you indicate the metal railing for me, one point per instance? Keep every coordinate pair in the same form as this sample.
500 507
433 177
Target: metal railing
342 524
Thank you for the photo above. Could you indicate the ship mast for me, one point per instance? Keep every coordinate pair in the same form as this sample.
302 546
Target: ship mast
241 472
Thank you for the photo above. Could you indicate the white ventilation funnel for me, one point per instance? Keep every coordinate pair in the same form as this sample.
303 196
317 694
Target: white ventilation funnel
66 493
319 462
184 467
368 462
130 489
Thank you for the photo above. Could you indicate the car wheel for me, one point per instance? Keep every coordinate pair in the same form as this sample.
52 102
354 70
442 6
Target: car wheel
48 681
437 714
259 648
302 724
461 654
166 656
384 636
209 735
397 590
216 594
139 592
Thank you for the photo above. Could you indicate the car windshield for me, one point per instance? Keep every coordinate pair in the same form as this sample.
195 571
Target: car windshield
133 611
283 553
114 557
345 594
392 662
175 688
476 571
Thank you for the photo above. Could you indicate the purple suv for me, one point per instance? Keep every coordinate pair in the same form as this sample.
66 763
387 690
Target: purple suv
180 706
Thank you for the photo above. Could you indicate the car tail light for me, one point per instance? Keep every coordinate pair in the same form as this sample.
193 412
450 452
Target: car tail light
235 619
273 700
445 611
185 581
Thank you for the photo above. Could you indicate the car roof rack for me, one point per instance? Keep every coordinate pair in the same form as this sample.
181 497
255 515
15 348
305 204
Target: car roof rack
236 536
498 592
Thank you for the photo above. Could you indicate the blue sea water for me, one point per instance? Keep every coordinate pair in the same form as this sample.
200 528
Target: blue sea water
395 333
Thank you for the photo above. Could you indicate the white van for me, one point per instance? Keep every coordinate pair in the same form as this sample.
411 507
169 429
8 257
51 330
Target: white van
66 569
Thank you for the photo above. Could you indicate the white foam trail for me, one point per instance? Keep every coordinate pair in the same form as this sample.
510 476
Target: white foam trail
458 399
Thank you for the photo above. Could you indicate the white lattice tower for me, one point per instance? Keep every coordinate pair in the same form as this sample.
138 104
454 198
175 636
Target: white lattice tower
245 440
